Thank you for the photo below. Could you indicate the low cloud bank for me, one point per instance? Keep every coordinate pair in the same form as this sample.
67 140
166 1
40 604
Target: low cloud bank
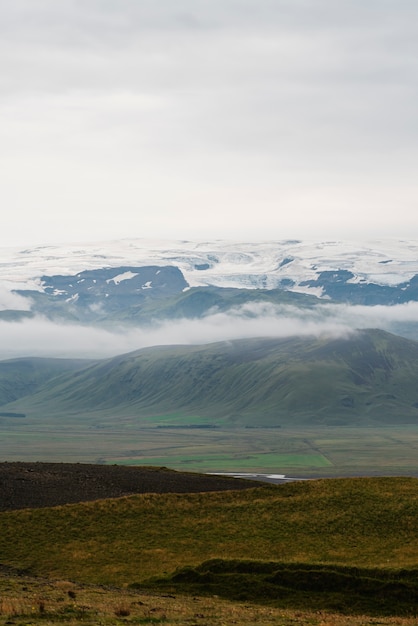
41 337
10 300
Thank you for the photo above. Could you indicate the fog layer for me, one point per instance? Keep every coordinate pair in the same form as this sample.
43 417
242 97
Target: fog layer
41 337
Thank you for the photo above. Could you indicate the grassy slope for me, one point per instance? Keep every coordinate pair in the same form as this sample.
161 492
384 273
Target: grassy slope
369 378
198 301
21 377
346 545
367 522
153 305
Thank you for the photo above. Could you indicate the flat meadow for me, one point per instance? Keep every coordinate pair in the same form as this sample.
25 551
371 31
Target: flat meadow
308 452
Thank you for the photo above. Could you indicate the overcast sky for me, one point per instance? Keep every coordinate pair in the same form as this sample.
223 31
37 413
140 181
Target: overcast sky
240 119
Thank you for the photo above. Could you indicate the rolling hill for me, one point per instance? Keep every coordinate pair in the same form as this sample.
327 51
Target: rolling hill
365 379
21 377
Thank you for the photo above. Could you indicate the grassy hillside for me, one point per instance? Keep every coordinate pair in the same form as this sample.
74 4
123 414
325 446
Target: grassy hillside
368 378
347 543
130 304
22 377
199 301
335 521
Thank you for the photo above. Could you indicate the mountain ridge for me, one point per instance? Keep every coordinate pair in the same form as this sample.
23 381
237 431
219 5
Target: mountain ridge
138 281
368 378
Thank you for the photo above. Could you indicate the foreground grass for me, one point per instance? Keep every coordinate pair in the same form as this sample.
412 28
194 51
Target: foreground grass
367 522
27 601
370 524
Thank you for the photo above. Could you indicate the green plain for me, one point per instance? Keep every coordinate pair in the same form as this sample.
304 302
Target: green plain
250 462
317 451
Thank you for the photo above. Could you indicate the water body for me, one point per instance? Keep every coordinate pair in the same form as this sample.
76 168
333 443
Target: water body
268 478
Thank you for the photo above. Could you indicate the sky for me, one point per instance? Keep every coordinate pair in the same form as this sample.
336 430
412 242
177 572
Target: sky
203 119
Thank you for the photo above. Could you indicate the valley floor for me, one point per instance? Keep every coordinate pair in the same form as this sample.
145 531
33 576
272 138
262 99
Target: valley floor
313 452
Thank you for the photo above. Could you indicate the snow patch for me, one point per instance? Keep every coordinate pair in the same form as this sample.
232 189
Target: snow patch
120 277
73 298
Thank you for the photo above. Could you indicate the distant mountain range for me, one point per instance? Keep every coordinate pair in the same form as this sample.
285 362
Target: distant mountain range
140 281
366 379
139 295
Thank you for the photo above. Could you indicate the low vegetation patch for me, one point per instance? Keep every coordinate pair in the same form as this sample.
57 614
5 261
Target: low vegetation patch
29 601
320 587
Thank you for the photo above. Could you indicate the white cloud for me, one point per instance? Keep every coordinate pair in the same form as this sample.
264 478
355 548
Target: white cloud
40 337
9 300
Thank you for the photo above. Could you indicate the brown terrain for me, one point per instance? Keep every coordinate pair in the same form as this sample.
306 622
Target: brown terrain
36 485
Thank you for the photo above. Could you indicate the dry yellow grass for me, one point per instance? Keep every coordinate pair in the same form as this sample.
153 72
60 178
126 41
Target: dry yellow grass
35 602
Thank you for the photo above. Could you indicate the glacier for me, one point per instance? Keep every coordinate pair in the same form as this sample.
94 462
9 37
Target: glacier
291 264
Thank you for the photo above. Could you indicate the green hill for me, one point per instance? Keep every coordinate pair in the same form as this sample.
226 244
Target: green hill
366 379
22 377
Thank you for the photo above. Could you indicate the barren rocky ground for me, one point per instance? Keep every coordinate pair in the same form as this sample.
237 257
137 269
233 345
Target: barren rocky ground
35 485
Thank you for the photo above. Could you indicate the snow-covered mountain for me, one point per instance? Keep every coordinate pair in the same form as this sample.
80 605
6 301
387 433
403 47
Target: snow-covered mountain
99 279
222 263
